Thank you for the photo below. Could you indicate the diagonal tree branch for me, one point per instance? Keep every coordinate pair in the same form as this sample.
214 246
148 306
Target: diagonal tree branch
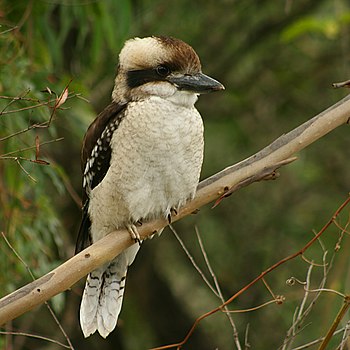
216 187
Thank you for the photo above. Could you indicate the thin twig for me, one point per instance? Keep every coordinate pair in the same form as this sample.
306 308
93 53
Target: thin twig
65 275
246 342
345 336
41 104
269 288
218 289
8 30
314 342
17 255
339 317
30 147
255 280
300 316
279 300
310 262
318 290
217 292
306 294
193 261
13 100
17 160
20 98
343 229
37 337
70 346
45 124
341 235
71 191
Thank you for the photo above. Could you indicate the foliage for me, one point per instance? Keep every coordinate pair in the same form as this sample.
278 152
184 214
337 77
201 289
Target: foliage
27 213
277 61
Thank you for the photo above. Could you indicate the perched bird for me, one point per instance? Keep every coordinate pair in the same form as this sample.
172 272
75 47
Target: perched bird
141 159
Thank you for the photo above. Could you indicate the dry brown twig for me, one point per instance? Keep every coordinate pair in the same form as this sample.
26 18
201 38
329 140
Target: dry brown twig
301 311
316 341
258 278
53 103
209 190
216 290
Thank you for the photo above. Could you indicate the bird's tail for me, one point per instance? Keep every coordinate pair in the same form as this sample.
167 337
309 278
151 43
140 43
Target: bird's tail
103 294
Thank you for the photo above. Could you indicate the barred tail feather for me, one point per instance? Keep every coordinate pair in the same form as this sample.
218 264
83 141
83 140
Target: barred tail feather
89 303
111 299
103 295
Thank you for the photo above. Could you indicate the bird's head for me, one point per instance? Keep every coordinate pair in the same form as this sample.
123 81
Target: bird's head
161 66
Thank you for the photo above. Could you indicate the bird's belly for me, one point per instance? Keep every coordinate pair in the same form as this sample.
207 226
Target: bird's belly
155 167
169 185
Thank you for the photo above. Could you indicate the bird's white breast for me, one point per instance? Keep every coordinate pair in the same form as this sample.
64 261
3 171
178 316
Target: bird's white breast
157 154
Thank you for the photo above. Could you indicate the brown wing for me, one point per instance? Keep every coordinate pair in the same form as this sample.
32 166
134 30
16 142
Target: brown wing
95 161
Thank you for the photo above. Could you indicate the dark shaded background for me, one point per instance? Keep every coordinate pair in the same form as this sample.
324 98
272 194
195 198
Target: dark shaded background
277 61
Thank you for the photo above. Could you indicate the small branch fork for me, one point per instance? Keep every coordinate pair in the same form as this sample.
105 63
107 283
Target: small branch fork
209 190
268 173
57 104
52 104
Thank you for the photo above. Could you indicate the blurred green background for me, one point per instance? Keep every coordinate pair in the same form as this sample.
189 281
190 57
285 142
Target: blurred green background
277 60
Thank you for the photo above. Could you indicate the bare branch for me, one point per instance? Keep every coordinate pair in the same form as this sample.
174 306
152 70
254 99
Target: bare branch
37 337
339 317
103 251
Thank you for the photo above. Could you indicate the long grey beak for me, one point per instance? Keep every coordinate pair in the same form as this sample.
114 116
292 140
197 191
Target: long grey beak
199 83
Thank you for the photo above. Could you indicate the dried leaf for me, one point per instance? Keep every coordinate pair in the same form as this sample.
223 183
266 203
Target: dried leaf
62 99
37 153
47 90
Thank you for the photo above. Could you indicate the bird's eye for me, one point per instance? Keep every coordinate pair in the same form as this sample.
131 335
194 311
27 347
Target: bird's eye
163 71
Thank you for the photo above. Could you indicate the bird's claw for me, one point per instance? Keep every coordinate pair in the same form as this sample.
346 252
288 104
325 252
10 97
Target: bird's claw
134 234
173 211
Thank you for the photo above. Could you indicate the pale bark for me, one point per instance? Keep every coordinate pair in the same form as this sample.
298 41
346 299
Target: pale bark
260 165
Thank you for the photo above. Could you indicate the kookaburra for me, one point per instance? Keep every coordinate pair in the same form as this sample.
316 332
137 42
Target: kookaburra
141 159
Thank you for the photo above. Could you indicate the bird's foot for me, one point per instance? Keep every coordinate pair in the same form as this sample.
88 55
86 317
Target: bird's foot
134 234
173 212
